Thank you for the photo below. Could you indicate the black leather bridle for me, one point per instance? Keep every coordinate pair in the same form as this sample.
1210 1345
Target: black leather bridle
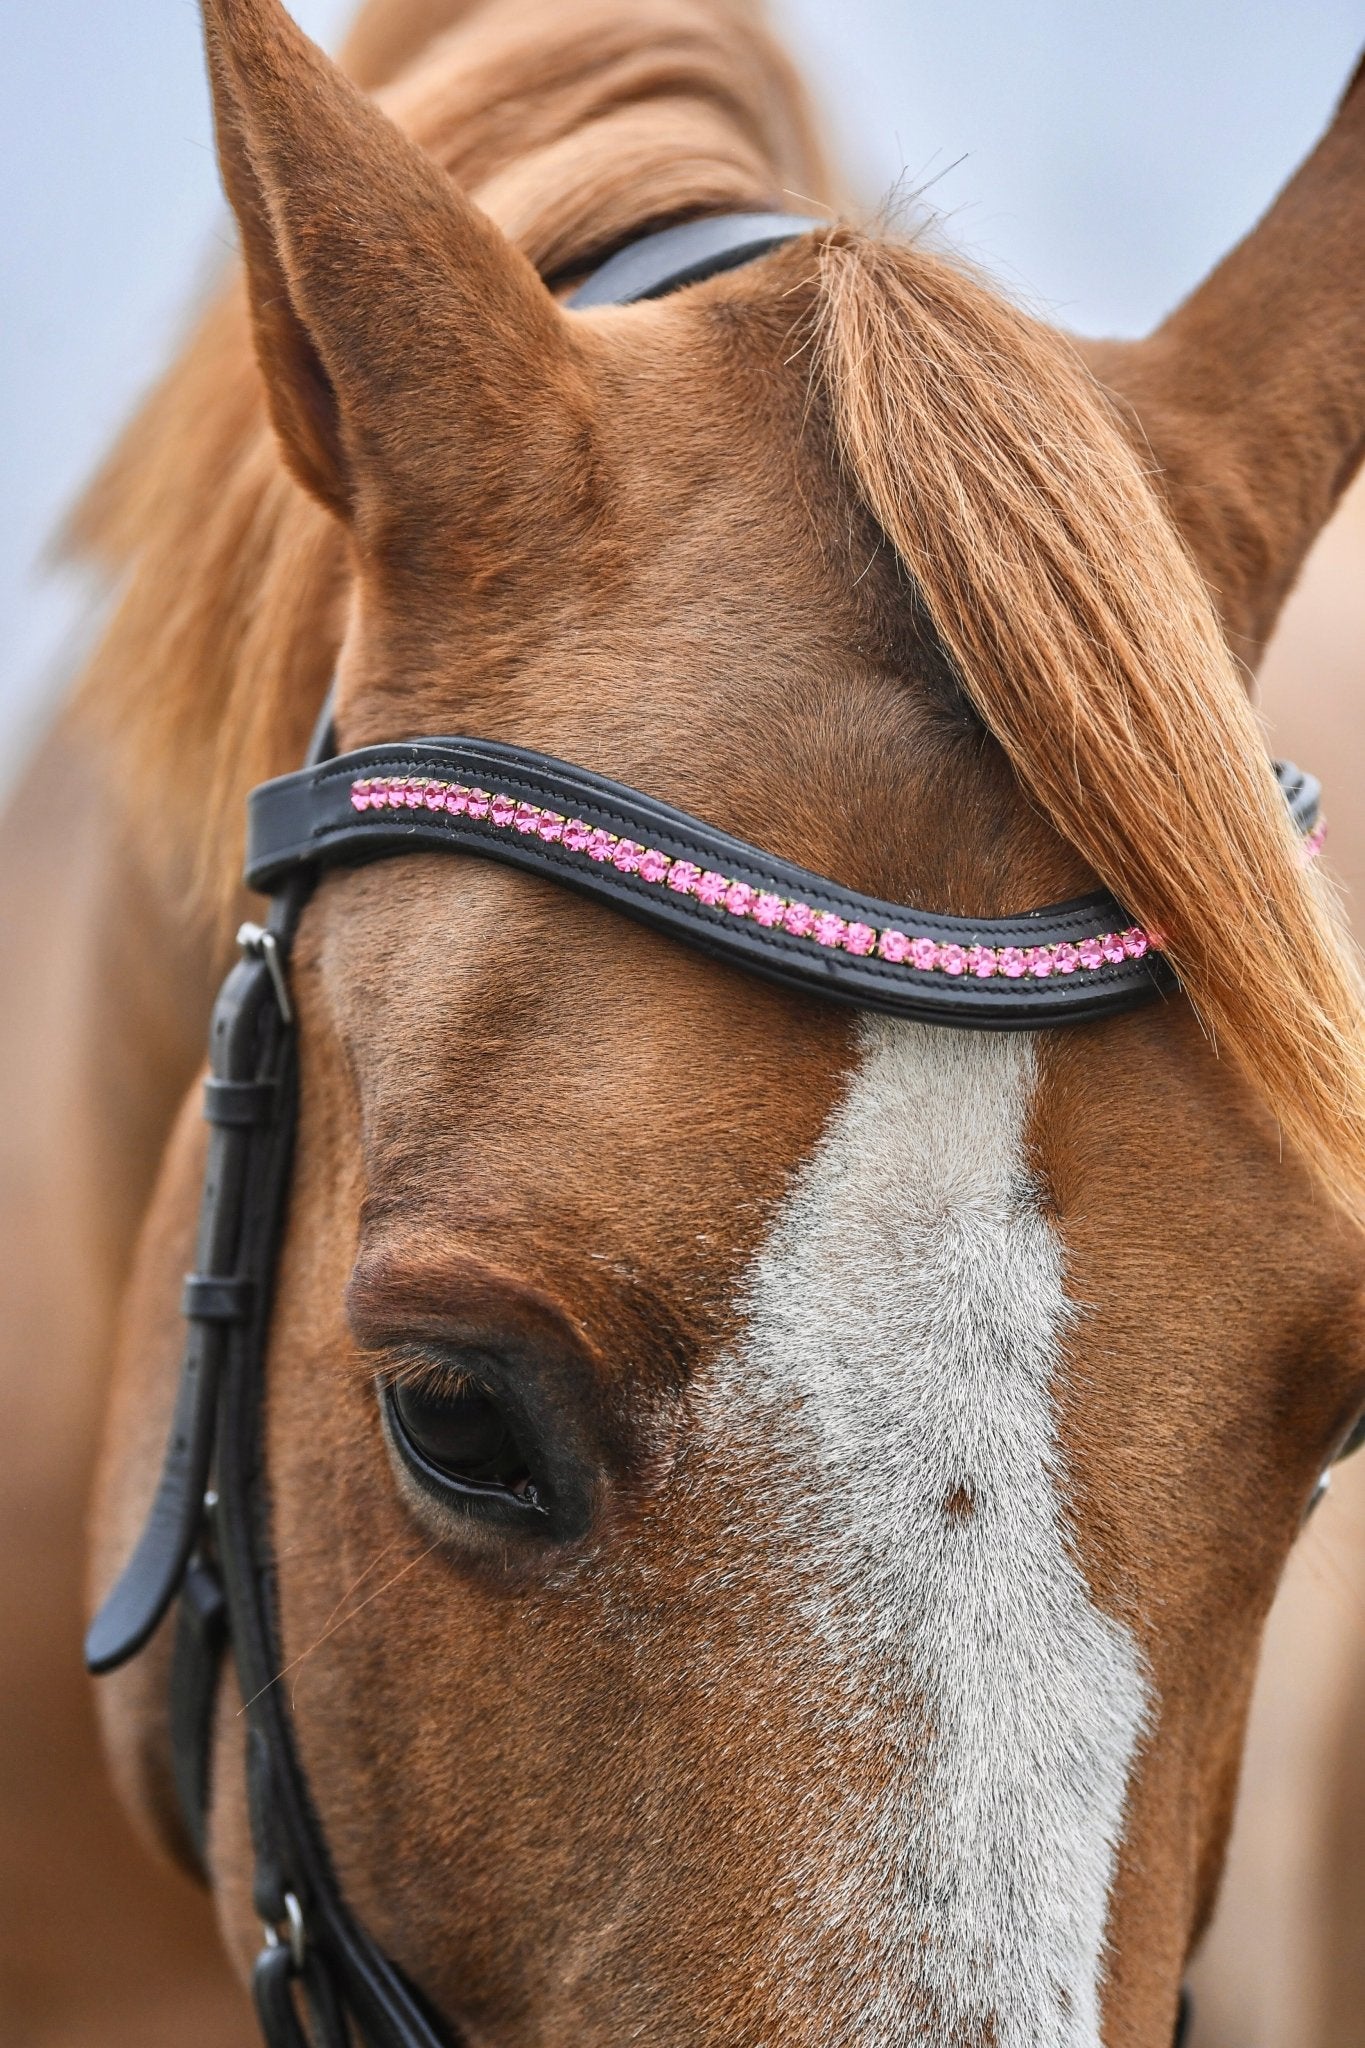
206 1541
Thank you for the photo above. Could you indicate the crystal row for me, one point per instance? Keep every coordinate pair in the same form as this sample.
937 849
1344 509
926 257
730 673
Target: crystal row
739 899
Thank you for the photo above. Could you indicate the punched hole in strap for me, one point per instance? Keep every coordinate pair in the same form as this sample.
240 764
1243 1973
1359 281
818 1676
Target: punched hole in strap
207 1299
239 1103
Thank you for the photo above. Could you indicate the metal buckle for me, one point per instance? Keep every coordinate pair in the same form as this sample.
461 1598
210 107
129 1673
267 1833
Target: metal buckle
259 944
291 1934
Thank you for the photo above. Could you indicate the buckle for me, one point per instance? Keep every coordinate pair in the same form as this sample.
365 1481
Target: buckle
290 1933
259 944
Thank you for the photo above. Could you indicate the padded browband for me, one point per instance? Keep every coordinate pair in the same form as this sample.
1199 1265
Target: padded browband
717 893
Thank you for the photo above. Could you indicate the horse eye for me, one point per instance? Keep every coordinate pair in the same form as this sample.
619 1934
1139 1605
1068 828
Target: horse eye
462 1434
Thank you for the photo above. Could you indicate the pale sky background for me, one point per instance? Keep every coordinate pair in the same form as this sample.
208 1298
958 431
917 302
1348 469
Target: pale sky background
1098 155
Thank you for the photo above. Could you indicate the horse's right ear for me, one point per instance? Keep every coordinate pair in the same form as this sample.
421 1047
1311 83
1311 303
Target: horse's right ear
1250 398
394 324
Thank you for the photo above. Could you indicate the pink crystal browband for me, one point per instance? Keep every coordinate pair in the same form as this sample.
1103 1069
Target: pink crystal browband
1058 964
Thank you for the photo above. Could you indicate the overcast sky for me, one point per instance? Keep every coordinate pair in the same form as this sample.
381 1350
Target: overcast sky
1098 155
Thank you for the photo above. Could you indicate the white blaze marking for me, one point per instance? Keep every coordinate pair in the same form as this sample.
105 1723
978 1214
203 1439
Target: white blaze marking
903 1332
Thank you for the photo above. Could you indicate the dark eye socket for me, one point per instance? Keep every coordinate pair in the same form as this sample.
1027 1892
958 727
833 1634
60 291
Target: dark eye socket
457 1431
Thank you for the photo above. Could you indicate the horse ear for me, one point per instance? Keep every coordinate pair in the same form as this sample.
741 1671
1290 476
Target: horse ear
1251 397
391 317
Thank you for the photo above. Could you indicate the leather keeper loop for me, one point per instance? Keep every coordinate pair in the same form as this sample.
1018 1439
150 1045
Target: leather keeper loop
206 1299
238 1103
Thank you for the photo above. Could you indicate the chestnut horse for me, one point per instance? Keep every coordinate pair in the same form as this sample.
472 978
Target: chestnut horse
944 1406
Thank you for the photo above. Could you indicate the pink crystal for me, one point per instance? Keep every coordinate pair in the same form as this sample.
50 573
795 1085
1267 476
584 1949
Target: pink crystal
739 899
893 945
859 938
1091 953
1134 942
1066 958
360 795
412 795
711 887
952 959
577 835
654 865
502 810
1039 962
827 929
923 954
626 857
457 799
527 818
436 796
551 826
797 919
981 962
683 877
479 801
767 908
601 845
1111 945
1013 962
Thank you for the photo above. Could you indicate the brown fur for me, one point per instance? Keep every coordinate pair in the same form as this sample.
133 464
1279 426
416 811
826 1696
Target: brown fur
590 1795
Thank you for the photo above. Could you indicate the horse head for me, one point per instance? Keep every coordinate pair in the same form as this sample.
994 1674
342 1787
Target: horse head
775 1507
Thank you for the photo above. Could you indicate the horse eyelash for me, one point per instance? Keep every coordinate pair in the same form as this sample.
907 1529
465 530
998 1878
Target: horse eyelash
409 1366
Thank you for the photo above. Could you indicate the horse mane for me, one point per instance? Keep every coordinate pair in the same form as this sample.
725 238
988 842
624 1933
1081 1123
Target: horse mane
994 464
1084 634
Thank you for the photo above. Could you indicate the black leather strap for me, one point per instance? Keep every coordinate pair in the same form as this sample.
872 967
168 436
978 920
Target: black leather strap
688 254
207 1298
238 1102
151 1578
196 1662
311 820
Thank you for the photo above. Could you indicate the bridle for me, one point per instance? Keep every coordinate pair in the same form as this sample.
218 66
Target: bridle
206 1541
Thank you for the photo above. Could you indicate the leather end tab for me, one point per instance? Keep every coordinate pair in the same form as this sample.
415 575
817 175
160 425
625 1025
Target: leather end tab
129 1616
